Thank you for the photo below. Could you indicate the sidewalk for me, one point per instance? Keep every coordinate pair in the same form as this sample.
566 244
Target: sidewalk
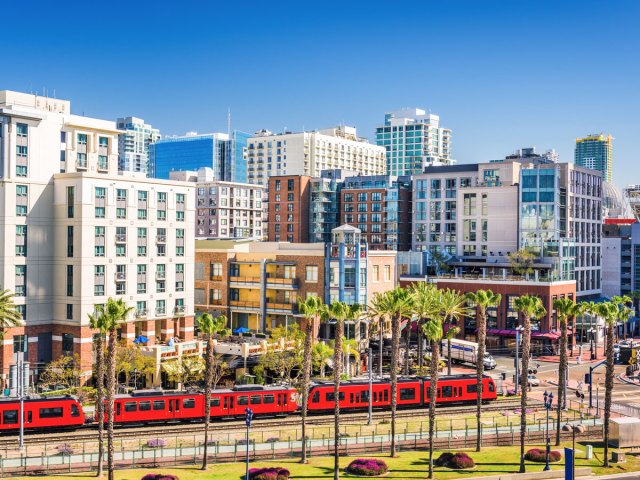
576 358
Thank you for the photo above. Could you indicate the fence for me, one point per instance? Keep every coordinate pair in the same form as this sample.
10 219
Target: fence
181 454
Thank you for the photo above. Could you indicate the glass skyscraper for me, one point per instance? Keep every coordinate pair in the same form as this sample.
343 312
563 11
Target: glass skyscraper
596 152
225 156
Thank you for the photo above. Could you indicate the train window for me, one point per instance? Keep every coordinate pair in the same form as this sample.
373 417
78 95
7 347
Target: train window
351 398
268 399
375 396
243 400
256 399
30 416
330 396
386 395
407 394
144 406
75 411
118 405
55 412
364 396
189 403
316 397
9 417
130 407
472 388
492 387
215 402
159 405
447 392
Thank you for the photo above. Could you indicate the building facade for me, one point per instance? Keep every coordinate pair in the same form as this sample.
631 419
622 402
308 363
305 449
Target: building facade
308 153
226 209
133 144
413 139
76 233
223 153
596 153
288 206
325 204
380 207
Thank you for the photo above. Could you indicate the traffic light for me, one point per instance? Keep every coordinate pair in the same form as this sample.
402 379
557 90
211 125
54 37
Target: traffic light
587 378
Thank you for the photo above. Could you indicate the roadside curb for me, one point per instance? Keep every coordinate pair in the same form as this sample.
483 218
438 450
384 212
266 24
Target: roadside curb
623 378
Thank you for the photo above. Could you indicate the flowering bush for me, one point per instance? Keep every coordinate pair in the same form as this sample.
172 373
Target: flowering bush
269 473
157 443
65 449
457 461
538 455
368 467
159 476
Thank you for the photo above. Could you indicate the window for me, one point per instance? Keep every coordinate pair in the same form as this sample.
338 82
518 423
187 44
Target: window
67 344
10 417
22 129
100 212
19 343
69 311
268 399
130 407
256 399
289 185
21 151
387 273
312 273
21 171
180 198
215 402
21 240
121 250
144 406
142 251
121 213
189 403
159 405
243 400
54 412
142 214
179 216
375 273
362 197
70 201
330 396
179 251
21 281
101 192
472 388
407 393
447 392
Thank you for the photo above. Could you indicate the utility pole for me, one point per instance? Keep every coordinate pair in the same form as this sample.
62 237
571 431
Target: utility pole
370 369
20 383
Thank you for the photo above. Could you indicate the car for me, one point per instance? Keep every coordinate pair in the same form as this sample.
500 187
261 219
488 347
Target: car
534 381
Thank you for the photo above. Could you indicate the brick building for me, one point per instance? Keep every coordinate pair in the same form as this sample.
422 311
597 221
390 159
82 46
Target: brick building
288 207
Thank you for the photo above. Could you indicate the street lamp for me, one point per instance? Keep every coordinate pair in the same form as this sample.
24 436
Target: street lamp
519 330
592 332
573 429
548 403
248 417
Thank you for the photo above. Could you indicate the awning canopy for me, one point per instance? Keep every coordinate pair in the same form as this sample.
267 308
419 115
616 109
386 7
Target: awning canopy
512 333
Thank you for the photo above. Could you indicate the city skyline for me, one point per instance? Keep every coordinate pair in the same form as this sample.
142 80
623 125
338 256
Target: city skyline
505 76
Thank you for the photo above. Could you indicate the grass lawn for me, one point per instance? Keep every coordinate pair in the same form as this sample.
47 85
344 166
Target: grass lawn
408 465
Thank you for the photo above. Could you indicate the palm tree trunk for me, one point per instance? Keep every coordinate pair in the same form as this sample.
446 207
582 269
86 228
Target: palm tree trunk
381 345
433 394
482 333
337 369
395 347
100 402
420 349
608 386
562 375
207 399
524 385
306 377
407 340
111 392
449 353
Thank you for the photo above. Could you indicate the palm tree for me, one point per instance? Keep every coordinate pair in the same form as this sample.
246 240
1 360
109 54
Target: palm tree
321 353
624 311
591 309
353 315
311 308
452 305
115 314
609 312
338 312
483 299
396 304
209 327
532 308
9 315
97 322
376 310
424 295
565 309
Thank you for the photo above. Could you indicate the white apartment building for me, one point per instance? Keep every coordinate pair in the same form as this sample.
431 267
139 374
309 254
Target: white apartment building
226 209
133 144
75 232
308 153
413 140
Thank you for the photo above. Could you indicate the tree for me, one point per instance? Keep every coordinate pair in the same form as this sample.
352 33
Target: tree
63 372
376 311
624 311
285 365
312 309
336 312
424 305
521 261
565 309
97 322
320 354
452 307
130 359
350 346
483 299
188 371
115 314
531 307
609 312
433 332
9 315
209 327
396 304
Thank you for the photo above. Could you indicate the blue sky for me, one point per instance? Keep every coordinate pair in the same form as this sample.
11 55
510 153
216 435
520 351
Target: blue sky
502 74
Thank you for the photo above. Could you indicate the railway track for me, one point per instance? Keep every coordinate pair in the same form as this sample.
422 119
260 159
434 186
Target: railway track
89 432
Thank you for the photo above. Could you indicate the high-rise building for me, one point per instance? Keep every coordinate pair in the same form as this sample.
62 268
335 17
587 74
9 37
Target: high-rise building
325 204
223 153
288 205
76 233
596 152
226 209
308 153
133 144
413 139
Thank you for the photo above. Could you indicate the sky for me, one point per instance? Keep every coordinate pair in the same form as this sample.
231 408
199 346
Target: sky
502 74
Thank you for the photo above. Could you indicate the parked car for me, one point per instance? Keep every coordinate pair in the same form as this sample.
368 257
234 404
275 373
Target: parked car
534 381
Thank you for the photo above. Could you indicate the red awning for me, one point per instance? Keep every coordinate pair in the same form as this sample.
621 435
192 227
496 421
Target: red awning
512 333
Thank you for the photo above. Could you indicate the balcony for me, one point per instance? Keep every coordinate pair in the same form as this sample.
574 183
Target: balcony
121 276
121 238
242 305
160 312
161 239
215 278
141 313
179 309
281 308
282 283
245 282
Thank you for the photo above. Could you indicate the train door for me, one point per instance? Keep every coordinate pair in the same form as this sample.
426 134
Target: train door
174 408
227 405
